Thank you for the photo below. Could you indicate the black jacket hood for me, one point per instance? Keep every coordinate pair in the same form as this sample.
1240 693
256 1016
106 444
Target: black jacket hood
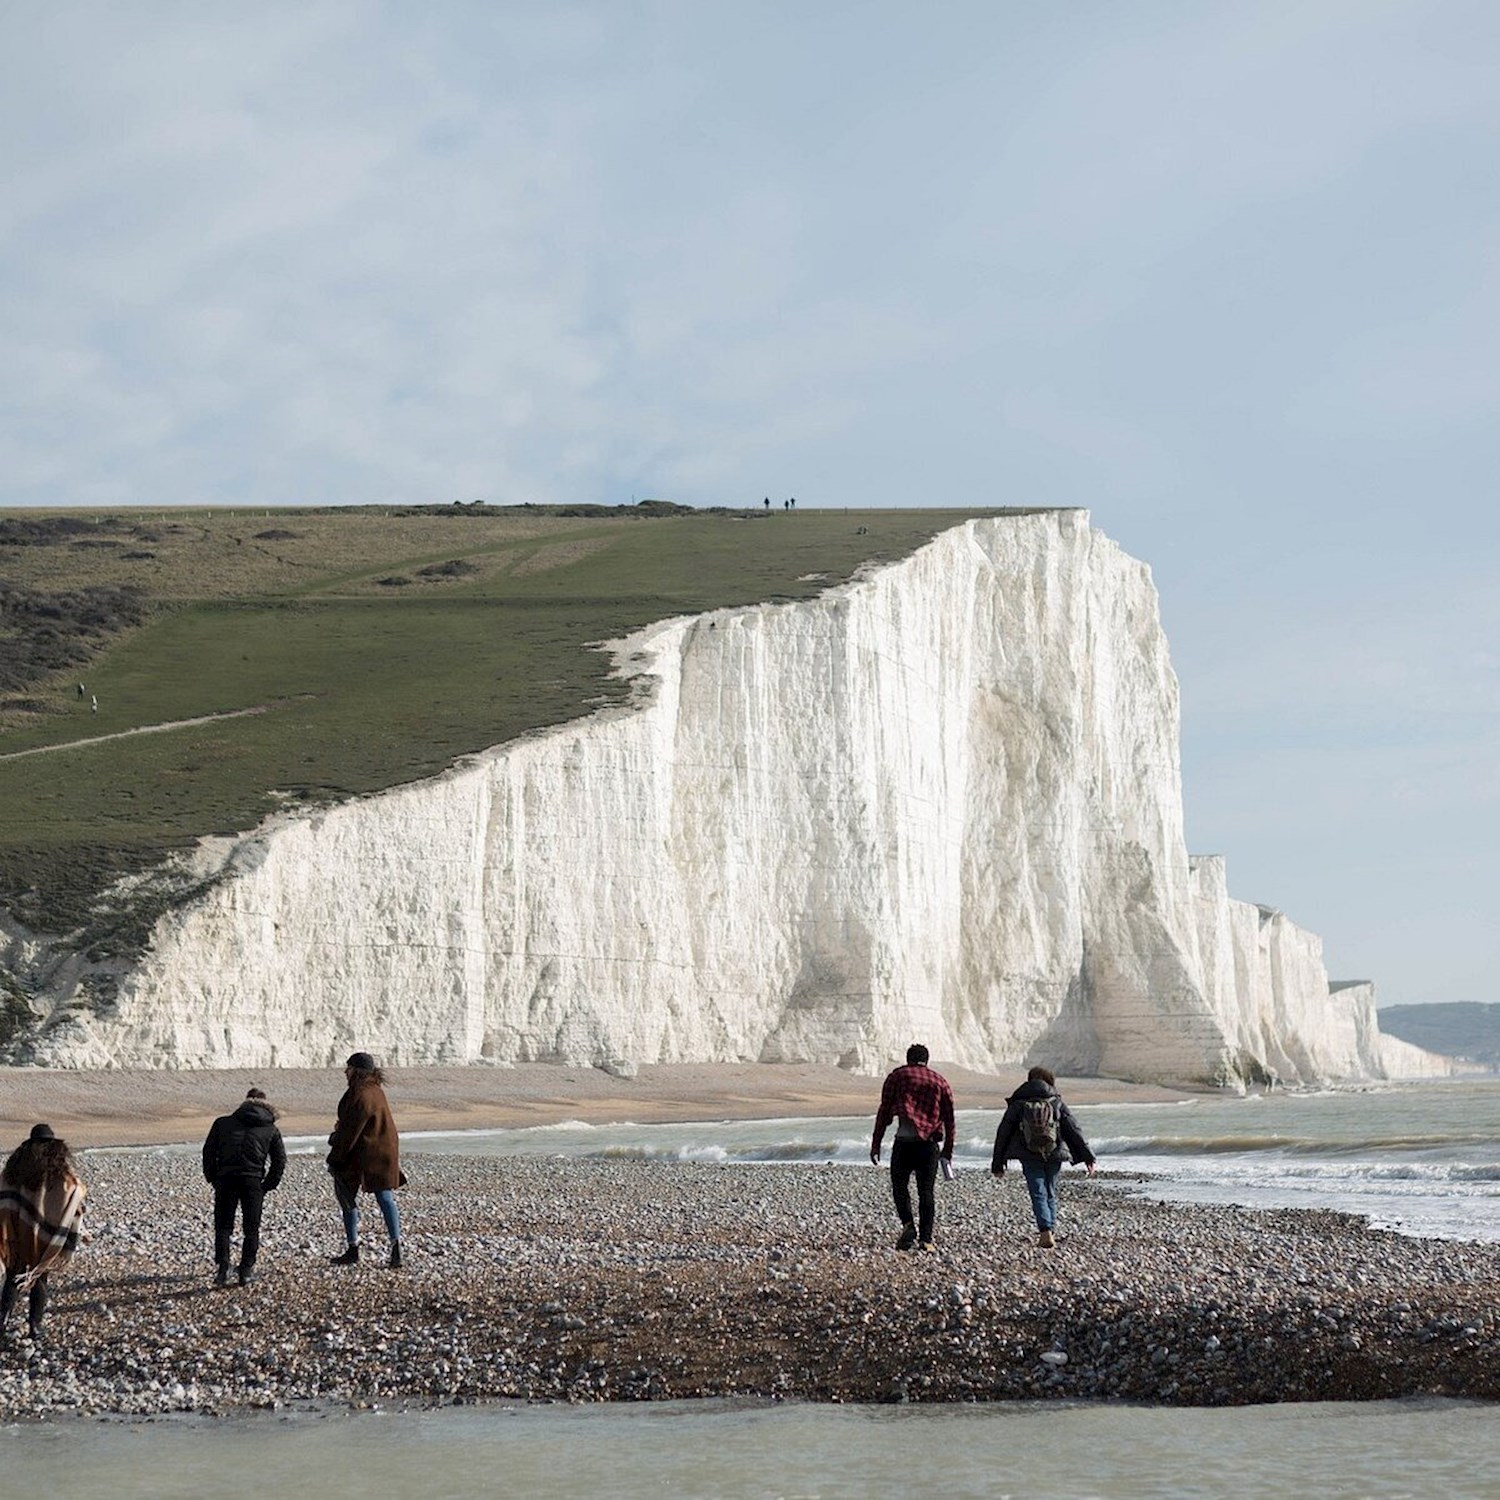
256 1112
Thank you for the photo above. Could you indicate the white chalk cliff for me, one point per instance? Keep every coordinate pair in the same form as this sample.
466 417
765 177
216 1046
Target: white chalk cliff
939 802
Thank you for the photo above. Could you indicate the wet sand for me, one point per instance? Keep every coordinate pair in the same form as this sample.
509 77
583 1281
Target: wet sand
119 1108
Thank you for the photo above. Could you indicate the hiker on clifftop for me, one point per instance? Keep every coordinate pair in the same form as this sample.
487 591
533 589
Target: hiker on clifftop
1034 1130
921 1103
243 1159
41 1219
364 1153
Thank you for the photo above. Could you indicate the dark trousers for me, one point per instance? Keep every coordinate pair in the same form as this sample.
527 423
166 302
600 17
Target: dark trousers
921 1157
245 1194
36 1301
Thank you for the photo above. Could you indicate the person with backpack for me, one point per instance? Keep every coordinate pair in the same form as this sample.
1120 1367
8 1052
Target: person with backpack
920 1101
243 1159
1035 1129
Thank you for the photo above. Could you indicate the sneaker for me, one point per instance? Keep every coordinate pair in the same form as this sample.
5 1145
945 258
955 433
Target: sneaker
247 1275
395 1260
908 1237
927 1247
221 1276
350 1257
1044 1239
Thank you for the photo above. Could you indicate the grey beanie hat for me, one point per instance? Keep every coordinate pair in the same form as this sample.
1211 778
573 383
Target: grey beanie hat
361 1062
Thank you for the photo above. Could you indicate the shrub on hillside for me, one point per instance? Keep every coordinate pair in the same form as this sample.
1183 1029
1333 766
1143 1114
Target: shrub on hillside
51 531
42 632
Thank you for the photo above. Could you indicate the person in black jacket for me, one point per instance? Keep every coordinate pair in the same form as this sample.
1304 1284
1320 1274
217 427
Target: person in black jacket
243 1159
1035 1128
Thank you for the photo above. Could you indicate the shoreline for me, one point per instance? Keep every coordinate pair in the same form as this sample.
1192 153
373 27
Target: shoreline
586 1280
138 1107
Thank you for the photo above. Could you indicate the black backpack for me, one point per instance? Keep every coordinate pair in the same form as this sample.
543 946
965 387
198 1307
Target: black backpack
1041 1124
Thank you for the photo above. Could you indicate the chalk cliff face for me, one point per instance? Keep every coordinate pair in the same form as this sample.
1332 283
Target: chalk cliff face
940 802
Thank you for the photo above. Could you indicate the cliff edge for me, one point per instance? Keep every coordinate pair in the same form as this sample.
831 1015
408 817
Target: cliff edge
941 801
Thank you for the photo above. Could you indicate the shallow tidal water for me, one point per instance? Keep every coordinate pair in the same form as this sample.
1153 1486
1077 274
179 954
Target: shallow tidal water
1065 1451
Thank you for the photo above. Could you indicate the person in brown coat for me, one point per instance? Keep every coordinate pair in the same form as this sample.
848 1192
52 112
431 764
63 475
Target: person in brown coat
364 1152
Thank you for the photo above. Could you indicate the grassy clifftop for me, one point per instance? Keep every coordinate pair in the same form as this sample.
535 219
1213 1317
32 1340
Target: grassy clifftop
355 649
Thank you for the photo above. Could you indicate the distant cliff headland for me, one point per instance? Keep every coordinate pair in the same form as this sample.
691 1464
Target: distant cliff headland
288 780
1465 1030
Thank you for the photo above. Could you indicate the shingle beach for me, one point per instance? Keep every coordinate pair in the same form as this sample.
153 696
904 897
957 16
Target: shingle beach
585 1280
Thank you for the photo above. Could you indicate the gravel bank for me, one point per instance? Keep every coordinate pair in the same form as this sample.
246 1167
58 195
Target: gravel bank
587 1280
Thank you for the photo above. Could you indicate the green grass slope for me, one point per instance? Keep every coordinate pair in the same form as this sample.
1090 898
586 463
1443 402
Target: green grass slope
358 649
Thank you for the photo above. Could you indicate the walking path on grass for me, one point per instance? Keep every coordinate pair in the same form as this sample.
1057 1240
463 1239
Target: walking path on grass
123 734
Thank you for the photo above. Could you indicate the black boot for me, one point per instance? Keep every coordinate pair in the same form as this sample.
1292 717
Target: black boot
350 1257
247 1274
221 1276
395 1261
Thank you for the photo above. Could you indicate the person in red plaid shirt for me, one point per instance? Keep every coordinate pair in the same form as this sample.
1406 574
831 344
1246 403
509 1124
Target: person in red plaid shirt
921 1103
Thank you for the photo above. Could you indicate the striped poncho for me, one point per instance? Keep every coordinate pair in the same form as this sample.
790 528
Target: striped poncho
40 1227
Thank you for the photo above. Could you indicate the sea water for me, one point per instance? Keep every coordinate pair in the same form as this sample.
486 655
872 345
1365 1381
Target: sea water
735 1449
1423 1158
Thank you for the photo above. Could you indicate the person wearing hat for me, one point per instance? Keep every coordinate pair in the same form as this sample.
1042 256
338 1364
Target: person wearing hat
243 1159
364 1153
41 1218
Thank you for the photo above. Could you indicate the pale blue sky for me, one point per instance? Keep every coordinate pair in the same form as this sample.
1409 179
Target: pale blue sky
1226 274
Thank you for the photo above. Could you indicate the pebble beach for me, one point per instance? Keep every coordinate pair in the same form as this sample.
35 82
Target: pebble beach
588 1280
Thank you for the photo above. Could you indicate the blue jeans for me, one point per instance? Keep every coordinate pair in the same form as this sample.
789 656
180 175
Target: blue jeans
1041 1182
349 1208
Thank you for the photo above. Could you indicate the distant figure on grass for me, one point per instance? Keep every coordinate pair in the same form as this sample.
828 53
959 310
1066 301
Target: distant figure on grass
921 1103
243 1159
1035 1128
41 1218
364 1152
93 704
768 502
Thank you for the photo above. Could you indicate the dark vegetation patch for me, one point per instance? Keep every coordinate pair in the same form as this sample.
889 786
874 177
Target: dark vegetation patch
277 534
53 531
138 556
395 581
27 705
455 569
55 889
46 631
